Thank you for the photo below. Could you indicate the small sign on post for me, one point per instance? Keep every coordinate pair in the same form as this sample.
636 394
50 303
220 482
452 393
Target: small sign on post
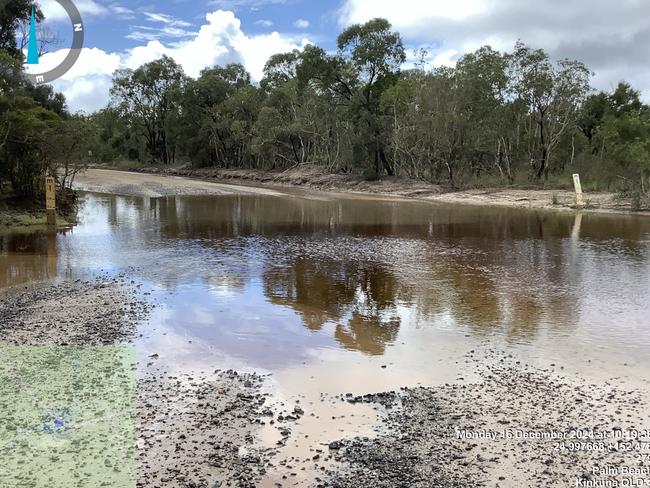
580 203
50 201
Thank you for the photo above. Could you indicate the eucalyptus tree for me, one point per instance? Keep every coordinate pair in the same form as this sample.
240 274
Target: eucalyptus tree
219 110
622 134
297 125
481 82
148 99
68 148
27 113
375 54
553 94
449 122
280 69
492 117
367 63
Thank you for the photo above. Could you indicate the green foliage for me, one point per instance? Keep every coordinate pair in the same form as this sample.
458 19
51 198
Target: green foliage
148 99
218 111
618 141
23 127
69 147
35 127
28 113
12 14
114 140
495 118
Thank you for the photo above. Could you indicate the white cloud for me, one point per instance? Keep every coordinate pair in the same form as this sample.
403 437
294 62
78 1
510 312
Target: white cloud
219 41
445 58
87 83
301 24
166 19
611 37
53 10
121 11
410 13
254 5
171 28
146 33
264 23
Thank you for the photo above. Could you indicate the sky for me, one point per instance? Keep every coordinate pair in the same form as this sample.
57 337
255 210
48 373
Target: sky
611 37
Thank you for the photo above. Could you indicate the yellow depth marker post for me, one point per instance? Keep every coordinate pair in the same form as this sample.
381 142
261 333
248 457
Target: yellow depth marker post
50 201
580 203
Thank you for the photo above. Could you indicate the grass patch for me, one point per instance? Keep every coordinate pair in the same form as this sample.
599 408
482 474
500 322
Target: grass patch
22 214
15 220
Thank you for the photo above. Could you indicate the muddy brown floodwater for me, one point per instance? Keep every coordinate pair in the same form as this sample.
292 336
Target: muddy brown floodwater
326 295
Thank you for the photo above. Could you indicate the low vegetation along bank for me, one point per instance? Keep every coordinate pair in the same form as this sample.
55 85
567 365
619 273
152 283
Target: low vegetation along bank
17 216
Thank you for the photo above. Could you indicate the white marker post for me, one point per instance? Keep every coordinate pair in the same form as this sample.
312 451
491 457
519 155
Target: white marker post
580 203
50 201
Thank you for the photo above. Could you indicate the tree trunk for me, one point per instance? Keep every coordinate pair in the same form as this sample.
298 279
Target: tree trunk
543 167
389 169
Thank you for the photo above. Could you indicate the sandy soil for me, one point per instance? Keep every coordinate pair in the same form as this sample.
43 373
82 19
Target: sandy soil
147 185
199 430
311 178
192 431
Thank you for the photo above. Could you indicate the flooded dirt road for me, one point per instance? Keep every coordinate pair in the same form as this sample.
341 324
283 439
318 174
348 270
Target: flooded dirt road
330 298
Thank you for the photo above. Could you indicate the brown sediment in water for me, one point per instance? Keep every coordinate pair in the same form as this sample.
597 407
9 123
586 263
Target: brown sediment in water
317 291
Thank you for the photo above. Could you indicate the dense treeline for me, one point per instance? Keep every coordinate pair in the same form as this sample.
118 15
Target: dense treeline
37 134
495 118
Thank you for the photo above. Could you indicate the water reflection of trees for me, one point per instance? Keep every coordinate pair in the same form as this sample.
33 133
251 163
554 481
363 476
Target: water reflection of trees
360 300
510 287
489 270
357 265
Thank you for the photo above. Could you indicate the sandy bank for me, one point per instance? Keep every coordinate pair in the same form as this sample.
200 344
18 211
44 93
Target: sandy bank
101 311
148 185
518 426
253 181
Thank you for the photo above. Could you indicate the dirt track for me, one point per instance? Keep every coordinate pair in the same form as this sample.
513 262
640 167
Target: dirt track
147 185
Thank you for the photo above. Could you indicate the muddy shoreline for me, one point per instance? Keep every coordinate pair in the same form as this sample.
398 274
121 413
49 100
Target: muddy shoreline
311 178
201 430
